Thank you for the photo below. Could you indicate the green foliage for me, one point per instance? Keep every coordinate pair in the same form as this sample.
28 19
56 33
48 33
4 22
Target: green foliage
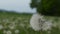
47 7
33 4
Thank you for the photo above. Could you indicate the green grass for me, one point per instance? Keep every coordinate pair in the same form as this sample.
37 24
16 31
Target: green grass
21 23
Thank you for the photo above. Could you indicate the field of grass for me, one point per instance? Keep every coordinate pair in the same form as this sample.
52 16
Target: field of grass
14 23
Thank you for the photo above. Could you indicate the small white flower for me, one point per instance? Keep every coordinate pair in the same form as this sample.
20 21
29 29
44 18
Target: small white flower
16 31
19 18
1 27
11 26
4 31
22 25
5 20
8 32
55 24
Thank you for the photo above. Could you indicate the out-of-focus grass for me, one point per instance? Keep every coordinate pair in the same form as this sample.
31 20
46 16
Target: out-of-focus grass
20 22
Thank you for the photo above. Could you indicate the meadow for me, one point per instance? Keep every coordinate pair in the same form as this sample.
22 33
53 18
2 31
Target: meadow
14 23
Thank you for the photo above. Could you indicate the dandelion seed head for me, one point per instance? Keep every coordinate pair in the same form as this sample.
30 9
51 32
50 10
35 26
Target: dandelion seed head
35 24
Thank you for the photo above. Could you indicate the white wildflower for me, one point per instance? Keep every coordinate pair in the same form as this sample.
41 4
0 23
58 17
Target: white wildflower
8 32
22 25
16 31
5 20
1 27
55 24
4 31
11 26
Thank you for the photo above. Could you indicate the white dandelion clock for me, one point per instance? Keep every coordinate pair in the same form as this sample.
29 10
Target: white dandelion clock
37 23
34 22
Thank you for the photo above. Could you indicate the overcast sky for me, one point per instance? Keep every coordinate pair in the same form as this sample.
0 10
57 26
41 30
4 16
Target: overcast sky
16 5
